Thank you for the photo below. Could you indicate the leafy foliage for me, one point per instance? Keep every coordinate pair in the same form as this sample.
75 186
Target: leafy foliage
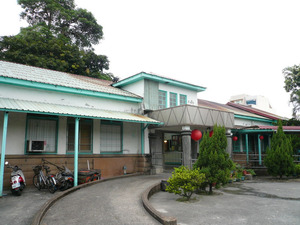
59 37
279 158
213 159
185 181
292 85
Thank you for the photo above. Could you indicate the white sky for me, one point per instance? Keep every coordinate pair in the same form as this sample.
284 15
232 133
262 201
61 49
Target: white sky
231 47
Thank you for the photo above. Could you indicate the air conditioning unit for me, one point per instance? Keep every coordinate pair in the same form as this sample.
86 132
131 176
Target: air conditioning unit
36 146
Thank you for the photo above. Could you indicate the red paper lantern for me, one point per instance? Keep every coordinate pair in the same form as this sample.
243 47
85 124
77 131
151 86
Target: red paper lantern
196 135
261 137
234 138
211 133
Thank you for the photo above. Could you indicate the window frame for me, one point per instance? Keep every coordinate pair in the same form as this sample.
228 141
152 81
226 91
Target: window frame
79 137
166 101
176 99
41 117
112 123
185 96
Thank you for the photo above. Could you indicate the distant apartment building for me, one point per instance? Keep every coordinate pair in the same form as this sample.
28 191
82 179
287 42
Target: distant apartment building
255 101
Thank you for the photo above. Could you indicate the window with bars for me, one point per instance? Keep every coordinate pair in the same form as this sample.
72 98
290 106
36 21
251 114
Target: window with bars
85 135
162 99
173 99
111 137
41 134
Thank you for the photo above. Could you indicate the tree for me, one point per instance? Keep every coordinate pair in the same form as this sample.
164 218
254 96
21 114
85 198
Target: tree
213 159
63 19
279 158
185 181
292 85
59 37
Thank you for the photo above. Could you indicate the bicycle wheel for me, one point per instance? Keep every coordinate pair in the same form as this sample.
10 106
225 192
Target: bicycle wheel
35 180
51 184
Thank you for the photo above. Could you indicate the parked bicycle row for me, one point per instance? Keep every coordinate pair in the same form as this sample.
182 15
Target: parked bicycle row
43 179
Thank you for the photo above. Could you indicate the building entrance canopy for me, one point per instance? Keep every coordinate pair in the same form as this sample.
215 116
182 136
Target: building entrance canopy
194 116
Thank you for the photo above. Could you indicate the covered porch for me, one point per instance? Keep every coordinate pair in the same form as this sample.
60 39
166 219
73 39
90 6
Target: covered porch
250 146
171 144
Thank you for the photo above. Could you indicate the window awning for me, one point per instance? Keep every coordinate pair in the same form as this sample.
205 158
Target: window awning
24 106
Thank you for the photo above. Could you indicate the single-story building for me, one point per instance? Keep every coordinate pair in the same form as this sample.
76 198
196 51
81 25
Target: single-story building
142 123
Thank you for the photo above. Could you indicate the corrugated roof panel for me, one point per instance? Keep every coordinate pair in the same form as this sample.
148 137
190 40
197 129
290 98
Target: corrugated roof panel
46 76
16 105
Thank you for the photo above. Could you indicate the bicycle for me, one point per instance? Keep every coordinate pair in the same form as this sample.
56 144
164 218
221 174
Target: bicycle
44 181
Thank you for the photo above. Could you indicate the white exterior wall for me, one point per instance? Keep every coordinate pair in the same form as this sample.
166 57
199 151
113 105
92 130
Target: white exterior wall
15 139
191 95
22 93
15 142
137 88
131 138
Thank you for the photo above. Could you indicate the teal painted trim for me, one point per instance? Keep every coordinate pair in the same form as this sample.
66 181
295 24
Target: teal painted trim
176 101
3 146
247 147
173 163
159 79
253 131
41 117
76 151
254 118
259 150
69 90
88 117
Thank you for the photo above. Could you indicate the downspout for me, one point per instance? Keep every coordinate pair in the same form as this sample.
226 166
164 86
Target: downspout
247 148
142 137
5 122
76 152
259 149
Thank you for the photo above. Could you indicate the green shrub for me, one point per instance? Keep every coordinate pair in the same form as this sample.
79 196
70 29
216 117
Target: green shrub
279 158
213 159
185 181
297 169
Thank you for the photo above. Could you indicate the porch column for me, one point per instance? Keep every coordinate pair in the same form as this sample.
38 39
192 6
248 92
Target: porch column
76 152
247 147
186 146
5 122
259 150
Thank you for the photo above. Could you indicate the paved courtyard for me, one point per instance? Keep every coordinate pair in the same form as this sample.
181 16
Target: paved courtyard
262 201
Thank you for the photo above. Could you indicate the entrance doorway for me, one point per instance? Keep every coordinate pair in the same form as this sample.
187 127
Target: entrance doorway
172 149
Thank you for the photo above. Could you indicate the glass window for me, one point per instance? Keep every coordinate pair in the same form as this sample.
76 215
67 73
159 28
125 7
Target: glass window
162 100
173 99
41 134
85 135
111 137
183 100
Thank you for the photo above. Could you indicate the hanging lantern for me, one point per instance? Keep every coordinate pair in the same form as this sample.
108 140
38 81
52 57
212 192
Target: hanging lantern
196 135
234 138
211 133
261 137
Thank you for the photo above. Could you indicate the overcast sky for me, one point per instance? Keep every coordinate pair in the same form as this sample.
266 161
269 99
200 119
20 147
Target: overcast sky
230 47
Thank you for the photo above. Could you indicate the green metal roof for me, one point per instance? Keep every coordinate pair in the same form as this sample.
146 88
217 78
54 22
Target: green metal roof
34 77
160 79
24 106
